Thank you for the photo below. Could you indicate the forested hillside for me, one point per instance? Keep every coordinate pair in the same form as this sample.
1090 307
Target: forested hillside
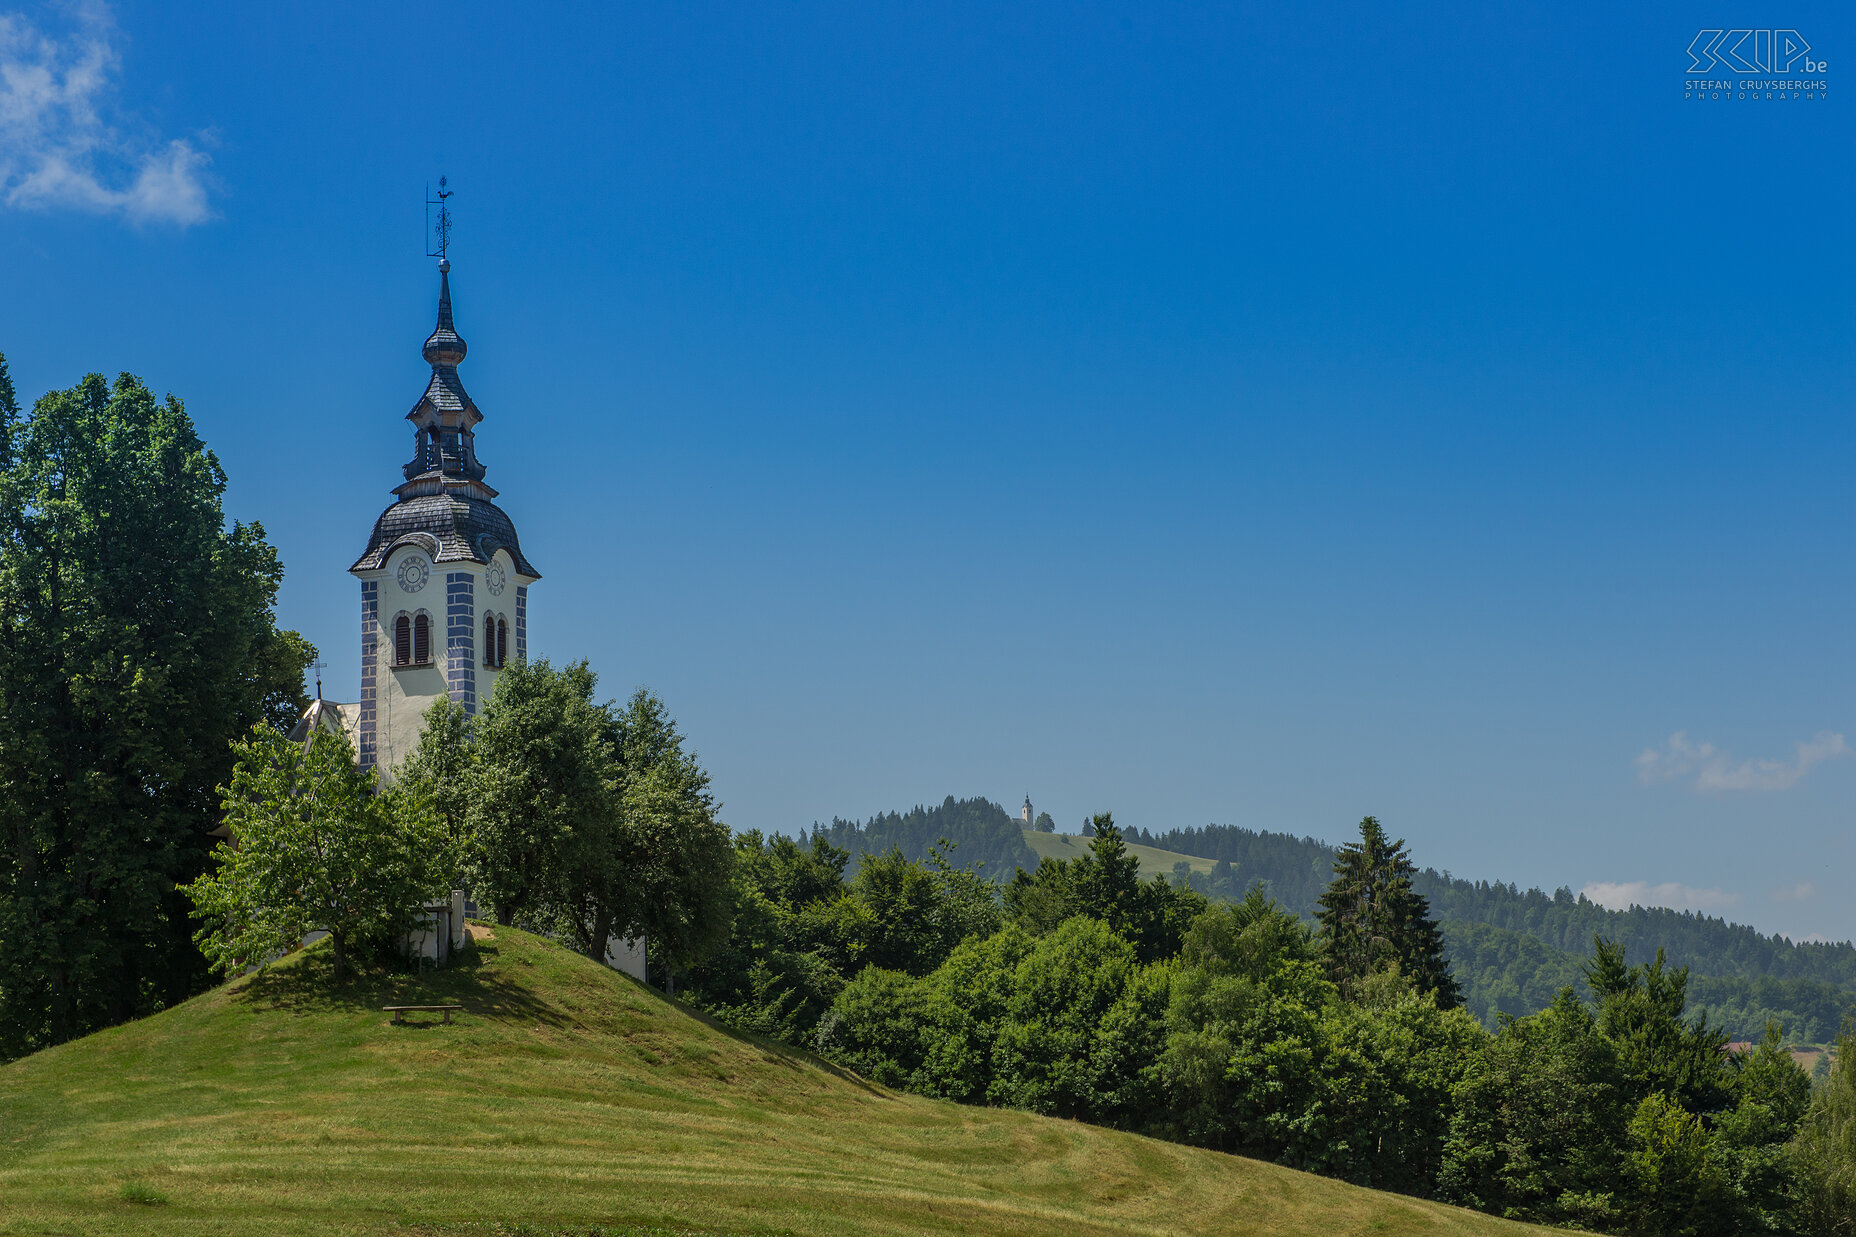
1512 950
1503 971
1294 871
986 838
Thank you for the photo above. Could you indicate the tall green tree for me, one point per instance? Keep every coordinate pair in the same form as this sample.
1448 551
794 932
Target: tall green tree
1642 1011
667 876
1824 1151
543 794
442 766
1373 920
137 641
316 846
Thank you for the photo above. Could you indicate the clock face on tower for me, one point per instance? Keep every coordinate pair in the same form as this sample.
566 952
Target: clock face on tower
414 572
494 579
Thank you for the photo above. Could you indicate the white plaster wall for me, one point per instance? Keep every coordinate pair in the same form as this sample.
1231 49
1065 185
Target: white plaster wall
627 956
403 694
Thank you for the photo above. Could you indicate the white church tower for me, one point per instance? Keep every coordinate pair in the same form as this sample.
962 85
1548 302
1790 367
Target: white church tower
444 585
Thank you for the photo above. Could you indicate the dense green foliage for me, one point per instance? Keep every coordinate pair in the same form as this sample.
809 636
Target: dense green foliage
541 785
1825 1151
1293 871
587 820
1105 884
1510 951
801 929
315 846
1503 971
988 840
137 641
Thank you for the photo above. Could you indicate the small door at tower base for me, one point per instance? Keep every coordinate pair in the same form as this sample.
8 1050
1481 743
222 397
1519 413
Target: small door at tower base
627 956
439 930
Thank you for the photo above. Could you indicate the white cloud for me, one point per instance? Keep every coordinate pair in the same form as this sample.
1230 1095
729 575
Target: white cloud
1795 893
1622 895
1714 769
61 146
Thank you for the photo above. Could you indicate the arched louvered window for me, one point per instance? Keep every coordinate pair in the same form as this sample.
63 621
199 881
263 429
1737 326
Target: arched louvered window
402 641
489 642
421 639
502 642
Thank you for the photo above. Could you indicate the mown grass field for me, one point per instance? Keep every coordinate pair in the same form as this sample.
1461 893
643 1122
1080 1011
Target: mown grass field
568 1096
1154 861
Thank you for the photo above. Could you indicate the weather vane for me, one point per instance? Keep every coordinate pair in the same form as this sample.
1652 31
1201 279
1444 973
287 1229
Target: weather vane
440 231
319 666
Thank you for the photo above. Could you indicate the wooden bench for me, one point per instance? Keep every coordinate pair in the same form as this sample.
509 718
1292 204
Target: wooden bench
399 1012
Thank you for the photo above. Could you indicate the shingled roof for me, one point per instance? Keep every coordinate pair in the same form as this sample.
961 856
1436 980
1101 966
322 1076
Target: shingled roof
451 527
444 507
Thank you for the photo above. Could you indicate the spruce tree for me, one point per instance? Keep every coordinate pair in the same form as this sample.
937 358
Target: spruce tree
1373 920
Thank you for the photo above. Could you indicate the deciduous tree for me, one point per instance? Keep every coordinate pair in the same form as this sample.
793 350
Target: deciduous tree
316 846
543 792
137 641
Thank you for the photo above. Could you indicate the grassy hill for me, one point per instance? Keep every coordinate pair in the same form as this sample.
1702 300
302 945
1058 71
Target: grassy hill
1154 861
568 1096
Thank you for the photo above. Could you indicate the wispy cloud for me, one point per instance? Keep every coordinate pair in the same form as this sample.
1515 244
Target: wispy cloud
1714 769
1800 892
1622 895
63 146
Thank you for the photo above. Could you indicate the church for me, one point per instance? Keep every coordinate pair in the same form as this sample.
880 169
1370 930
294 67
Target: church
444 595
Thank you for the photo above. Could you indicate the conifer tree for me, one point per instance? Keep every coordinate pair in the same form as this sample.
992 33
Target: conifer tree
1373 920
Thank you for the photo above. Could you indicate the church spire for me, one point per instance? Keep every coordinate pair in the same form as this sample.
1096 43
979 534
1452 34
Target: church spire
444 346
445 418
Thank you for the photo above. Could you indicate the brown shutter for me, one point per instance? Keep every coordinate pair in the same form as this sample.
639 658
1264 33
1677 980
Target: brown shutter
402 641
421 639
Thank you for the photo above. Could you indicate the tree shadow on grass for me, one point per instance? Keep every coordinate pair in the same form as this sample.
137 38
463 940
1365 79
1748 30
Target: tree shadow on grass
305 983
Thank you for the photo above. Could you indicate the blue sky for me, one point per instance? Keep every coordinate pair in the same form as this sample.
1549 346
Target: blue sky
1203 413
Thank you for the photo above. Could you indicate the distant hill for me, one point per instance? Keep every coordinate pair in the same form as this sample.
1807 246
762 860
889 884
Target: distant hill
1154 862
986 837
568 1098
